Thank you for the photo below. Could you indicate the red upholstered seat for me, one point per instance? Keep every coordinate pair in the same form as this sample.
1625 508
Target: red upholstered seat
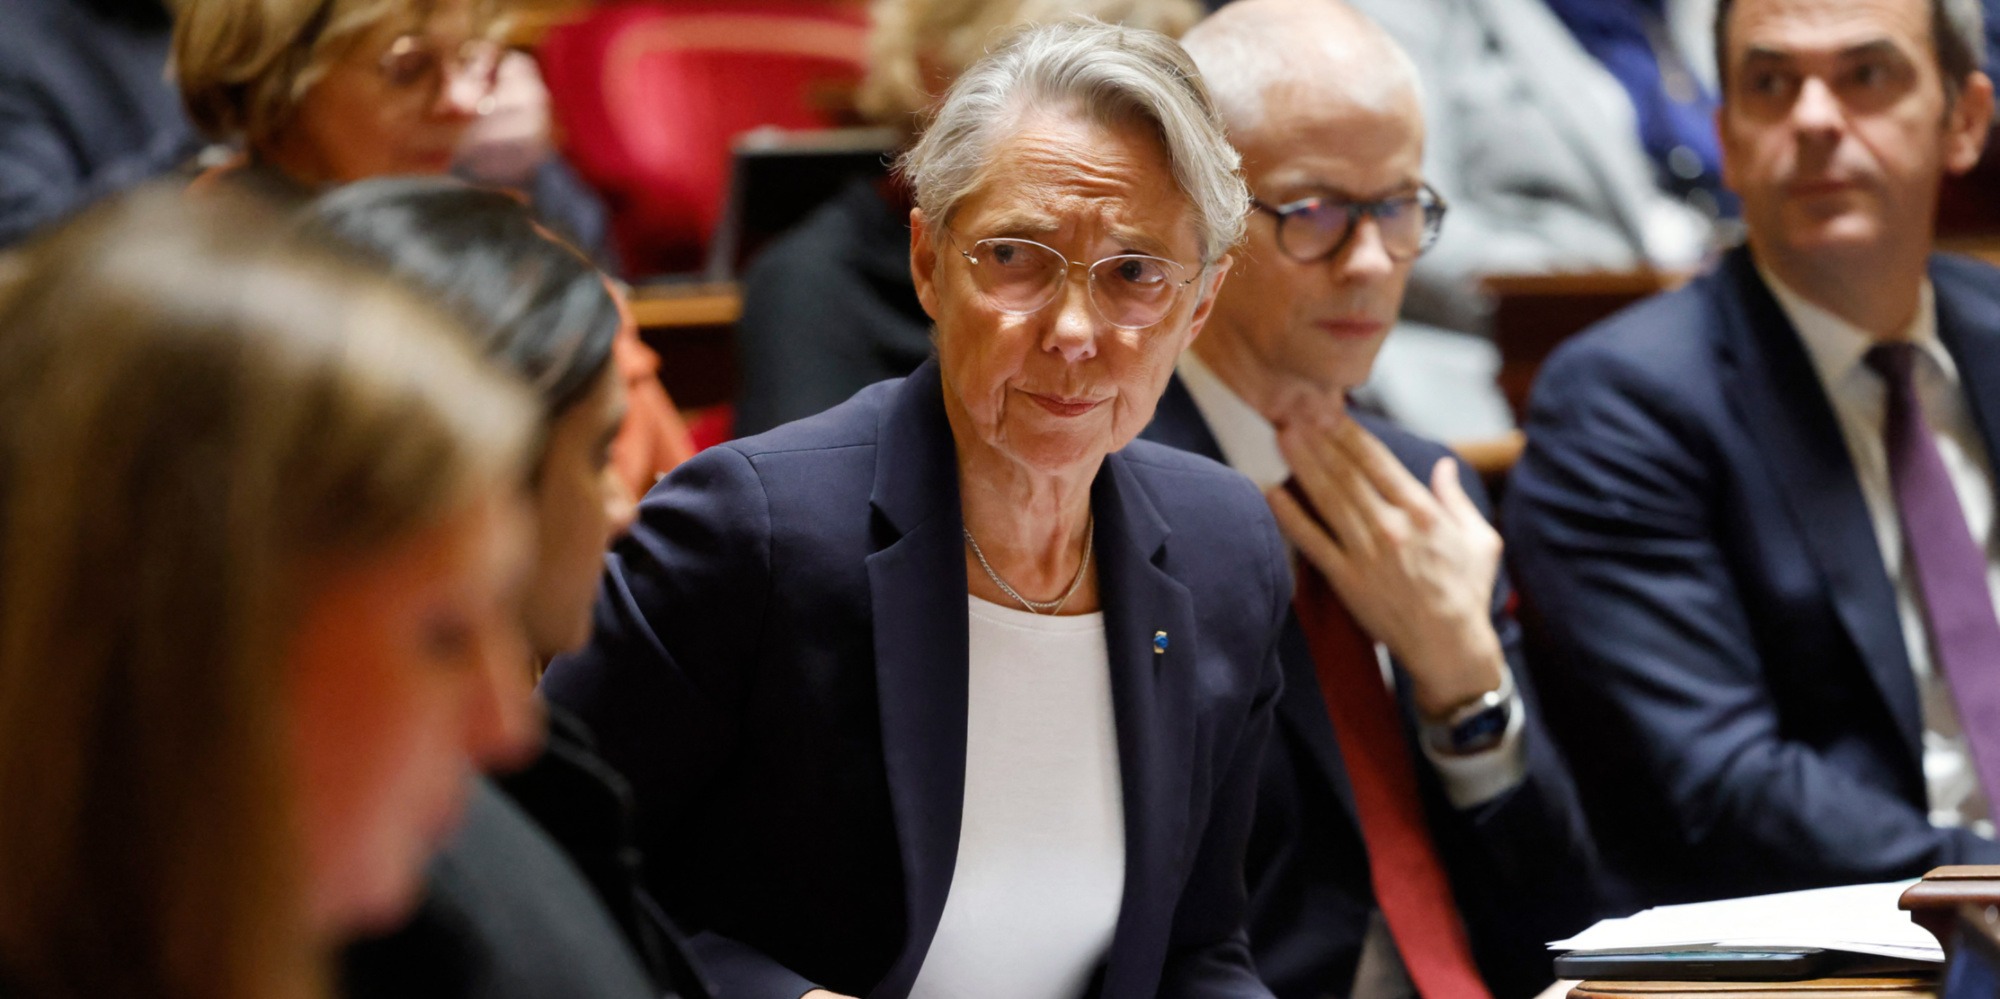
648 96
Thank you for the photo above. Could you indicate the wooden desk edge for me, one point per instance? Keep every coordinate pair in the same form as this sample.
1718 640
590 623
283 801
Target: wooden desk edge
696 305
1828 988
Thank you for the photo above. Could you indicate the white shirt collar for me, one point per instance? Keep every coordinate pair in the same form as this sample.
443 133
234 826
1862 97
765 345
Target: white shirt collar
1249 442
1838 346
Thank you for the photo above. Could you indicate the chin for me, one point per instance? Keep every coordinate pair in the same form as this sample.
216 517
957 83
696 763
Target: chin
376 903
1054 454
1843 236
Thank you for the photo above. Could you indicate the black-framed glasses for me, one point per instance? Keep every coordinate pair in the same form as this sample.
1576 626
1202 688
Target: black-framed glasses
1129 290
1313 229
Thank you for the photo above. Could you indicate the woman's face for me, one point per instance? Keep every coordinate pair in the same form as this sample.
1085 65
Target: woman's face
1058 388
406 677
397 102
581 506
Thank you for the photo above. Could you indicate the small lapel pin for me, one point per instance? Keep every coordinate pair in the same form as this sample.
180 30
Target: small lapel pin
1159 643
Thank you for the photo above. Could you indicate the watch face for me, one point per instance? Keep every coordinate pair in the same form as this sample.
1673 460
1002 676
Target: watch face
1478 733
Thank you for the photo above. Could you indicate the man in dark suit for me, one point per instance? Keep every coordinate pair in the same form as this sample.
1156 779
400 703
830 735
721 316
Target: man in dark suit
1755 519
1413 836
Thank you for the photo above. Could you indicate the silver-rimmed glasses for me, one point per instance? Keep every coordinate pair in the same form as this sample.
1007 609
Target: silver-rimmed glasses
1129 290
1313 229
414 65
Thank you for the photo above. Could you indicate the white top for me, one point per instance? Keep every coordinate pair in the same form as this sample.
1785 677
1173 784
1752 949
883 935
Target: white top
1860 401
1040 875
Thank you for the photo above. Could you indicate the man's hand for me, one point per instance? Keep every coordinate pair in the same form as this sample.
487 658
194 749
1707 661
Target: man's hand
824 994
1415 566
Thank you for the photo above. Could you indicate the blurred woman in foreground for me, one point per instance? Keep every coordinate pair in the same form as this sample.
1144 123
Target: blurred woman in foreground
262 539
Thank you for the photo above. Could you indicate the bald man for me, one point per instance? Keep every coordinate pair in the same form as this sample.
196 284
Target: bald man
1416 832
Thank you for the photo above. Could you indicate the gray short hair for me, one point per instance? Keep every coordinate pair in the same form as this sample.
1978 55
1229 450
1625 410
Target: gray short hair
1107 74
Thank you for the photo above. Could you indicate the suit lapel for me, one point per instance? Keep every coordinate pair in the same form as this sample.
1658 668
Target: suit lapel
1302 709
1973 339
1153 700
920 654
1177 423
1786 411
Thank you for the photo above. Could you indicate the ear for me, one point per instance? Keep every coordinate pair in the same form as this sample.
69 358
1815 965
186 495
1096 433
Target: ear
923 262
1210 288
1967 125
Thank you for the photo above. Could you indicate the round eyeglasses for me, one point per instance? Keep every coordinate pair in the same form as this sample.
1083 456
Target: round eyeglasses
1313 229
413 64
1020 276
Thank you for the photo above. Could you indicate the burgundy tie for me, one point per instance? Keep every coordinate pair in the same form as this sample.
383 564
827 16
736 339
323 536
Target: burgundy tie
1411 887
1950 566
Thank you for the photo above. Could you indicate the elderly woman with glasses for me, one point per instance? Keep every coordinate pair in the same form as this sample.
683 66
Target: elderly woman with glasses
956 689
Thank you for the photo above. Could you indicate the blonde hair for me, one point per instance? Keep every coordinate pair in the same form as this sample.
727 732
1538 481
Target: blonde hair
951 35
244 65
192 418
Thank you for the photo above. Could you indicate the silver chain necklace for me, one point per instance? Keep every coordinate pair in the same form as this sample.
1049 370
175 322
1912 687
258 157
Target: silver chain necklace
1039 606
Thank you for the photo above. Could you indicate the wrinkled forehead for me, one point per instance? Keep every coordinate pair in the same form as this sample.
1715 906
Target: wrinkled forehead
1058 174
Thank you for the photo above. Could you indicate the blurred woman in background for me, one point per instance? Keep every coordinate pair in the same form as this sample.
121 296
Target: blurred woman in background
321 94
263 536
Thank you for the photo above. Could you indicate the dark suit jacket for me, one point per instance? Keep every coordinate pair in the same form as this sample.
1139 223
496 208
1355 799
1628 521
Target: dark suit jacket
86 109
1720 648
779 667
1521 865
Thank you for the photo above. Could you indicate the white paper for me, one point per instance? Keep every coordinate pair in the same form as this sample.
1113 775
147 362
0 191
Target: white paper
1862 919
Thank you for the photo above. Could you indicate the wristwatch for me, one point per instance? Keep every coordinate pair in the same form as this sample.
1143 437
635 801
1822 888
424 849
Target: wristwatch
1477 726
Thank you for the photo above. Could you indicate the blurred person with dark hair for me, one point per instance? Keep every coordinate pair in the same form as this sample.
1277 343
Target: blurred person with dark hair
830 307
85 106
538 896
263 533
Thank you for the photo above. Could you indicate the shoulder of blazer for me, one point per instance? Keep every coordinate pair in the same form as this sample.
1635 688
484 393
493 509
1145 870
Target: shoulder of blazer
1163 467
1660 347
853 423
1970 284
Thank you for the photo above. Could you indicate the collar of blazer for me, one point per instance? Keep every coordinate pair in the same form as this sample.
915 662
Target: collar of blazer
918 602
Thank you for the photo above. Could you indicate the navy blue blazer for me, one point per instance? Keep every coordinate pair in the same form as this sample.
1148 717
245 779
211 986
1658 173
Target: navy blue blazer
778 665
1717 638
1521 865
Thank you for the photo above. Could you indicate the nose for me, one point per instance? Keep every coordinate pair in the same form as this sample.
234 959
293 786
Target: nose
621 508
461 94
1073 334
1366 257
503 719
1816 110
